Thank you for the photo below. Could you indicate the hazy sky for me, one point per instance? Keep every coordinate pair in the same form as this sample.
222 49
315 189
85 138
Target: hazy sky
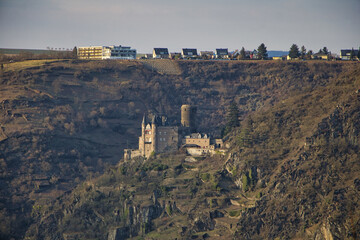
176 24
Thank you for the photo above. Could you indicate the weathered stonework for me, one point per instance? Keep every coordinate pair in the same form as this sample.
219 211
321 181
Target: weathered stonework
158 137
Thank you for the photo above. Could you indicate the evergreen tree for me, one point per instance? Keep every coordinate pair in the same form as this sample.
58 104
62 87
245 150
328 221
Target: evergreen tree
242 53
262 52
358 55
303 52
294 51
352 54
74 52
309 54
325 50
232 118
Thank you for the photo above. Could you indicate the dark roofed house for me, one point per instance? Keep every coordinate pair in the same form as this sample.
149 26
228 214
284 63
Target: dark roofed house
161 53
222 53
188 53
345 54
322 56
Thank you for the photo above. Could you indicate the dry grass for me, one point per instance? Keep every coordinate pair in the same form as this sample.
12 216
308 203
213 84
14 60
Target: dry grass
17 66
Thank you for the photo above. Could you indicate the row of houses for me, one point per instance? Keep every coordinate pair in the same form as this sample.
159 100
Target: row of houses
122 52
345 54
188 53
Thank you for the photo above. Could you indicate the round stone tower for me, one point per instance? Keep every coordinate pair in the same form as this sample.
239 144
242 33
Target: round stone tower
188 117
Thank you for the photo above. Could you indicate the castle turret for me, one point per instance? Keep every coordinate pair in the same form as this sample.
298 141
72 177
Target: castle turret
153 130
188 117
143 126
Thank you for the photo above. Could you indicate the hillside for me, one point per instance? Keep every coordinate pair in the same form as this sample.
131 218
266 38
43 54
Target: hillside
63 123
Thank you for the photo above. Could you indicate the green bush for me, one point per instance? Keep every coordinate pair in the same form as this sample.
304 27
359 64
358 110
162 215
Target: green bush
169 210
234 213
245 182
205 177
259 195
154 166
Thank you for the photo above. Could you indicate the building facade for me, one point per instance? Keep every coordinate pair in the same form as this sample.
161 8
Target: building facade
197 139
188 117
222 53
162 53
106 52
345 54
157 136
189 53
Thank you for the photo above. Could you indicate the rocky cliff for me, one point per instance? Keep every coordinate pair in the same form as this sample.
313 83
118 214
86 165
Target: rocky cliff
291 171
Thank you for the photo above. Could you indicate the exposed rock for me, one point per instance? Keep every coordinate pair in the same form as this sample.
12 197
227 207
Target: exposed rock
190 159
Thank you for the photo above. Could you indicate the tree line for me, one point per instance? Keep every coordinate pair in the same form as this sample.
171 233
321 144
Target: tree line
294 53
25 55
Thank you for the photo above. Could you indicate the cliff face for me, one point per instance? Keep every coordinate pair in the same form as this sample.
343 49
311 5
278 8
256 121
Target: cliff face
292 170
313 190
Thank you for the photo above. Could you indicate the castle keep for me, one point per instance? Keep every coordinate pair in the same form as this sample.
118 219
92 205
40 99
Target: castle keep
157 136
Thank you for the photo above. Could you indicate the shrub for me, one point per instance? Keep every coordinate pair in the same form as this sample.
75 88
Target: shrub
169 210
245 182
205 176
234 213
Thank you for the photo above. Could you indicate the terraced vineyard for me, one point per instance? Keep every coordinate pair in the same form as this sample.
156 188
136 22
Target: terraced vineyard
291 170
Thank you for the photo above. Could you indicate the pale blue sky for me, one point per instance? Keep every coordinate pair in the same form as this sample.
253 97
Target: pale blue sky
176 24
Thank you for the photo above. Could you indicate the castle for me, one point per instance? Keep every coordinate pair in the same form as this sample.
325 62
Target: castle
157 136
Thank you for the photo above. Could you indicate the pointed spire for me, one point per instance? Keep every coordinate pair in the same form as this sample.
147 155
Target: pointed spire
144 119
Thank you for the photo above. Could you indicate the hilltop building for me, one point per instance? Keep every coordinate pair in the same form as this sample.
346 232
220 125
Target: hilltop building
322 56
162 53
188 117
189 53
106 52
346 53
157 136
222 53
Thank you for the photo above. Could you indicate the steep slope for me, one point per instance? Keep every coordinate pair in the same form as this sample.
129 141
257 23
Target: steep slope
305 155
282 179
65 121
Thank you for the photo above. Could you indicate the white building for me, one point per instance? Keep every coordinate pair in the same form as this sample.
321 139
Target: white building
106 52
